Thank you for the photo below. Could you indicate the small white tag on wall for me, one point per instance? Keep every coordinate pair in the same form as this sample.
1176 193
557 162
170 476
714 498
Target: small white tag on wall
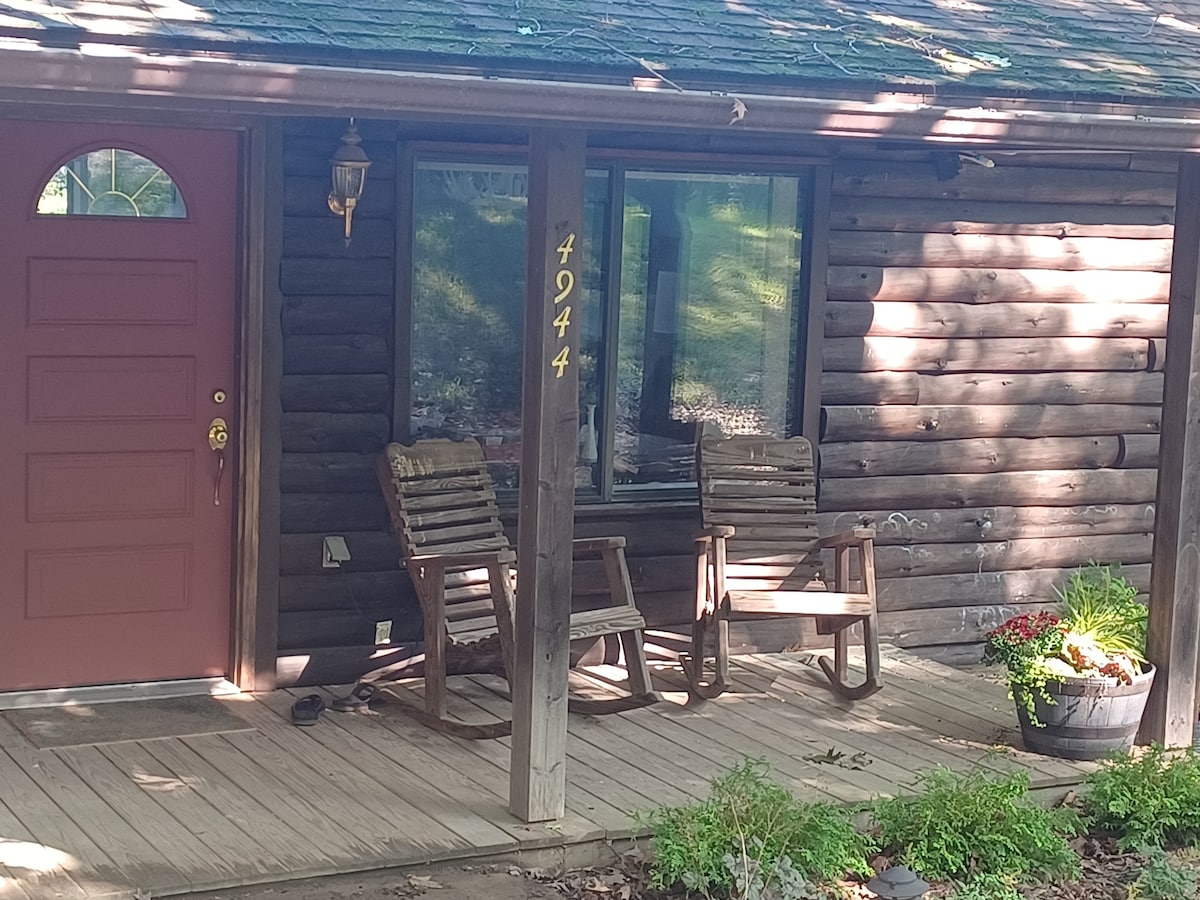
383 632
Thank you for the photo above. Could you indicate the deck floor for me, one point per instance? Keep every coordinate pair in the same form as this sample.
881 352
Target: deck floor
358 792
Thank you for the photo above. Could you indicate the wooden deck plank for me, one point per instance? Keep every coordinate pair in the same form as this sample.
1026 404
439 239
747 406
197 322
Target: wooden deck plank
48 806
888 761
485 763
738 724
938 695
24 872
118 789
594 768
276 847
474 832
911 745
427 839
595 790
368 791
283 800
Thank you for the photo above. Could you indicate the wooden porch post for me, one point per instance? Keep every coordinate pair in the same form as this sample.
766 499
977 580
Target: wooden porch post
1174 636
550 436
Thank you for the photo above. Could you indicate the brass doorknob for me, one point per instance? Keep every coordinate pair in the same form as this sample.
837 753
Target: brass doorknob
218 434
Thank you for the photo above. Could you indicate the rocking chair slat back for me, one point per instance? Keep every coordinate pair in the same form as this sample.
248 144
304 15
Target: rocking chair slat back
440 500
765 489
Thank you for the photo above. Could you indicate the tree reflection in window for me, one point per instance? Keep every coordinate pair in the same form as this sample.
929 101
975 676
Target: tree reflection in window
112 182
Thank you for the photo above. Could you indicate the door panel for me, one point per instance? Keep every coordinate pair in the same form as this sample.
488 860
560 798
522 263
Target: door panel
115 333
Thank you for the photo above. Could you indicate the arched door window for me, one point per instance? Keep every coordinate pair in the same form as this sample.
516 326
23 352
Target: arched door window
112 182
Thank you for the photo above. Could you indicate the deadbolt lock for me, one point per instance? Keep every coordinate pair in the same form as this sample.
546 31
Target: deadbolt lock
218 434
218 396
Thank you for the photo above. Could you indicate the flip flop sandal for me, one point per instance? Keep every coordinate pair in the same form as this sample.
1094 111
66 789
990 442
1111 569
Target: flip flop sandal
307 710
358 699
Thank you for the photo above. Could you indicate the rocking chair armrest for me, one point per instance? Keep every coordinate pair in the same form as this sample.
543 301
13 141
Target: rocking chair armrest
598 544
847 538
442 561
712 532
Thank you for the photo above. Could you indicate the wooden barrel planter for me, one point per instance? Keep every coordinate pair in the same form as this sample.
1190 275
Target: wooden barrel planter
1091 717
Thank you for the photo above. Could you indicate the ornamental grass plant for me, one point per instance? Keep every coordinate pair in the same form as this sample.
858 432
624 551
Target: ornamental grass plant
1098 631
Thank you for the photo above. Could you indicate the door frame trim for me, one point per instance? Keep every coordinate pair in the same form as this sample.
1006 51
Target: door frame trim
255 619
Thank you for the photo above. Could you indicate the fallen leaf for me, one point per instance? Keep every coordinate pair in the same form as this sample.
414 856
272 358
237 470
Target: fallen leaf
738 112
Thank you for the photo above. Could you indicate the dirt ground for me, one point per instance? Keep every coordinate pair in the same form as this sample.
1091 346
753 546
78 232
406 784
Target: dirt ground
485 882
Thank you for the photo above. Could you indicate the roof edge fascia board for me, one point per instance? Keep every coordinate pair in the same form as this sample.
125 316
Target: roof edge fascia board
108 75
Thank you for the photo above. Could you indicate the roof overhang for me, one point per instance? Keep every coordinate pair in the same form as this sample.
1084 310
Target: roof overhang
107 75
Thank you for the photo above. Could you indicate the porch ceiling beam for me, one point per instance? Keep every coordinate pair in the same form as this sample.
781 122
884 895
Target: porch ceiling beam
105 74
549 438
1174 637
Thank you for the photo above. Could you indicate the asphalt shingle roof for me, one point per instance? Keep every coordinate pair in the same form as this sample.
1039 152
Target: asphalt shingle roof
1113 48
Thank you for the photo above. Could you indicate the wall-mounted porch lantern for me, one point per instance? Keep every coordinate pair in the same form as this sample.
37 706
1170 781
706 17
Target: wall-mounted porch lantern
898 883
350 164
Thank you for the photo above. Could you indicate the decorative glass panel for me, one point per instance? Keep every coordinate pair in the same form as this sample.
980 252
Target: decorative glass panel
709 268
112 182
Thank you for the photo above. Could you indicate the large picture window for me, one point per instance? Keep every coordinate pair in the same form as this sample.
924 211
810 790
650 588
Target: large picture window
688 313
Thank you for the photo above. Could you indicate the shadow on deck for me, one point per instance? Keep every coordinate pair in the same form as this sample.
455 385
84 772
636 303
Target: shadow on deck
355 792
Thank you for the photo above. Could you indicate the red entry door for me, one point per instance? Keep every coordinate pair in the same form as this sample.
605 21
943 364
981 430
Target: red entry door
117 312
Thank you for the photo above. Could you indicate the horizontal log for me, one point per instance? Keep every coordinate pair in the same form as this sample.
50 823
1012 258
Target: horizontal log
308 154
876 248
339 628
324 237
347 314
1066 388
994 523
336 393
976 217
299 277
967 624
961 320
1040 159
916 560
933 355
933 423
300 666
993 285
1054 488
336 354
857 459
370 551
333 432
329 130
309 196
339 589
854 178
954 655
1141 451
327 473
985 588
332 513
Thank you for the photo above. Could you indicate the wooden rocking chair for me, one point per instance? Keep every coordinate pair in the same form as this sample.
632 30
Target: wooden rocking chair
759 556
443 508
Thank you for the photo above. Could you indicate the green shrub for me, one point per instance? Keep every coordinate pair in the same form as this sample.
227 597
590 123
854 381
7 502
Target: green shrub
1150 800
1162 879
751 836
959 826
986 887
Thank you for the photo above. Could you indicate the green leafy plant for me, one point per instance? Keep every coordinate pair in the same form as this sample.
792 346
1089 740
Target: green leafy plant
1163 879
962 826
751 838
1099 632
986 887
1147 800
1101 607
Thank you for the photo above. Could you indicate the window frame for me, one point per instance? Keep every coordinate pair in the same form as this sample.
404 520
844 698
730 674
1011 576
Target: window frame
814 182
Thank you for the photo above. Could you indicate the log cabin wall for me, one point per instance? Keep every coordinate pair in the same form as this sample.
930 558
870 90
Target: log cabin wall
992 378
336 398
990 398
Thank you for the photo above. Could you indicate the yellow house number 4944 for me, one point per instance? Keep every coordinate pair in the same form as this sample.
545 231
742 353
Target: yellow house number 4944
564 282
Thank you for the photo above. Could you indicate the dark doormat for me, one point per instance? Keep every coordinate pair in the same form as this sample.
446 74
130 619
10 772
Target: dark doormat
136 720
